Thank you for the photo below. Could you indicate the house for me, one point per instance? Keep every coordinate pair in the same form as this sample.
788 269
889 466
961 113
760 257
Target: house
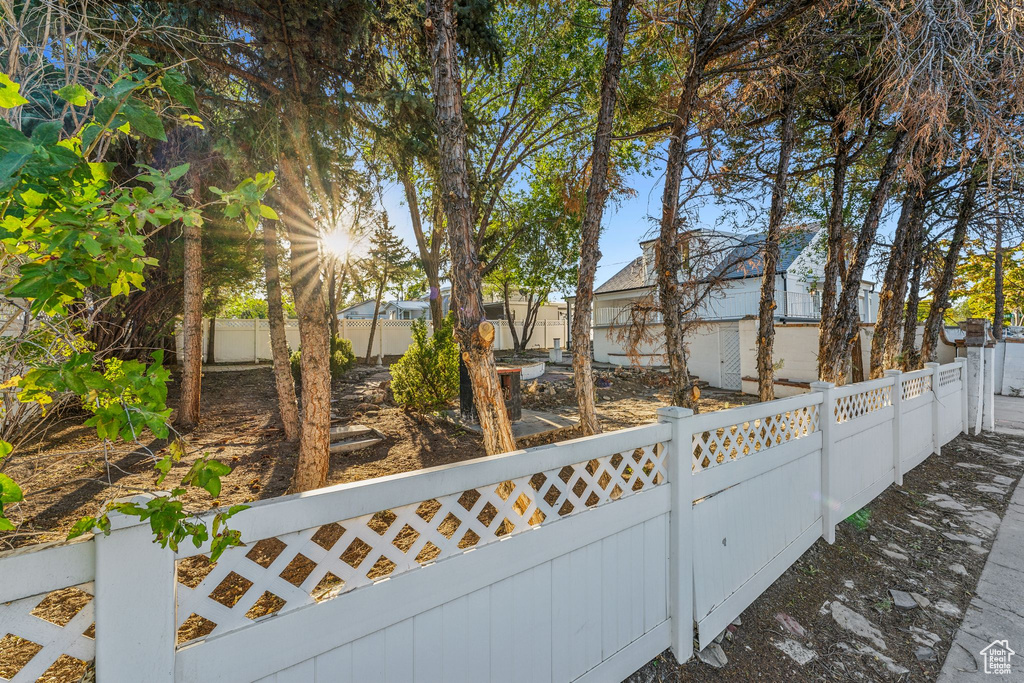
389 310
494 306
727 268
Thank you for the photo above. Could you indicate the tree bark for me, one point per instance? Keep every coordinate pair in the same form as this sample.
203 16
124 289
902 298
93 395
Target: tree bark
373 321
766 309
332 297
835 244
192 331
834 363
999 311
475 334
283 380
669 254
597 195
940 292
911 358
307 290
429 249
211 340
885 343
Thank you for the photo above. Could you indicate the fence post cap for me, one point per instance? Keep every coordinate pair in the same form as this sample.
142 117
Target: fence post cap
894 372
822 385
674 412
932 365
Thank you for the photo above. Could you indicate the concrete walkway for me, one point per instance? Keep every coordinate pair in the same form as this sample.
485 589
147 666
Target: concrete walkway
996 612
1009 415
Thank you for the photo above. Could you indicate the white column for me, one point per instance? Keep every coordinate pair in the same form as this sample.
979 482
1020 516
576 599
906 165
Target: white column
963 393
990 388
135 584
897 425
826 419
936 433
680 553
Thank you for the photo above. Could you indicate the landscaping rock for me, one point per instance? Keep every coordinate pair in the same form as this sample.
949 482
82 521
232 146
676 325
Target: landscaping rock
737 622
856 624
925 654
790 625
795 651
947 608
958 568
713 655
921 601
902 599
893 555
963 538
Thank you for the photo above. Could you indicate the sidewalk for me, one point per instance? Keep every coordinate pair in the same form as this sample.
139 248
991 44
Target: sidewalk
996 612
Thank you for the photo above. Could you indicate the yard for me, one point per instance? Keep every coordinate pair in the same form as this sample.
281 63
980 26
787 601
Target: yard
70 475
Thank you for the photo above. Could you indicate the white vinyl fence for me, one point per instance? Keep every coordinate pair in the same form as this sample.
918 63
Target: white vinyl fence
578 561
248 341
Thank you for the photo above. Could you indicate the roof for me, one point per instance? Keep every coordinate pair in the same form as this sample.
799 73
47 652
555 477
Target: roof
410 305
747 260
630 277
355 305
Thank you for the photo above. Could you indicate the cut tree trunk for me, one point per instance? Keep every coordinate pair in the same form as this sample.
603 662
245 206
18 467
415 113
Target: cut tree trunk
834 361
597 195
307 290
192 331
766 309
940 292
474 332
283 380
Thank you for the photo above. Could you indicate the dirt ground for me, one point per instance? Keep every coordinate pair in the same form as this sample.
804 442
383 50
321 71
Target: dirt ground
67 474
930 537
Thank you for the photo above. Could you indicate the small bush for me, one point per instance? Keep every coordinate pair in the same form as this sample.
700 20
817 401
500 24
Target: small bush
342 359
427 376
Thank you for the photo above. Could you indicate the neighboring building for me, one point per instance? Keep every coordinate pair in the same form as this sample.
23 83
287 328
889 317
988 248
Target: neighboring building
494 307
735 262
389 310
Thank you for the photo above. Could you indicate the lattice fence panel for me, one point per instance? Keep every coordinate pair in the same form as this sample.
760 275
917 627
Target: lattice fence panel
948 376
49 635
312 565
712 448
918 386
864 403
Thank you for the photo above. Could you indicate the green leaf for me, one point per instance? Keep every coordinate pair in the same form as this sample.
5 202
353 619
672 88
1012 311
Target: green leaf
47 133
75 94
144 61
144 120
82 526
176 172
9 95
268 212
174 85
10 492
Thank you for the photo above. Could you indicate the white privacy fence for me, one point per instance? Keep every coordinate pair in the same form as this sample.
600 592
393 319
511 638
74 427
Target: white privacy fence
578 561
248 341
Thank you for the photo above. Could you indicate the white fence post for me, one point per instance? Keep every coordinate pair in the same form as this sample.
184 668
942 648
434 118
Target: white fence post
680 544
897 424
135 577
962 362
826 418
936 409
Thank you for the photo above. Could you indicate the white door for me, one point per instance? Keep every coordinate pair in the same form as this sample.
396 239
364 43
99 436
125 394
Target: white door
729 349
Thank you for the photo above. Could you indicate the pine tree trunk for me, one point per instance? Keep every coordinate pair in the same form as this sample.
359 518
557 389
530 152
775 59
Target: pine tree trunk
766 309
373 321
283 380
885 344
911 359
307 290
834 363
940 292
211 340
475 334
192 331
429 251
999 311
835 245
669 255
332 297
597 194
